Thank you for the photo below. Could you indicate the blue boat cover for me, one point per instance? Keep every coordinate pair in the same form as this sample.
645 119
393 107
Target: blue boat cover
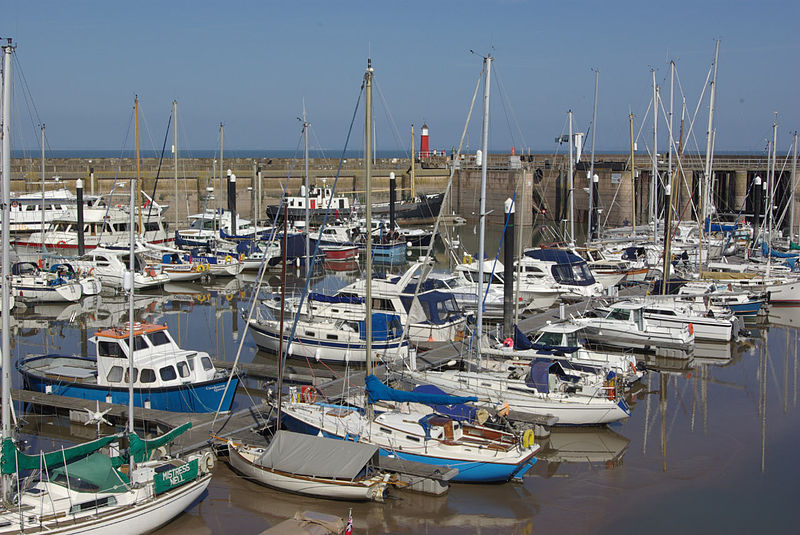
378 391
521 342
439 307
385 327
538 378
559 256
349 299
765 251
456 411
633 253
713 227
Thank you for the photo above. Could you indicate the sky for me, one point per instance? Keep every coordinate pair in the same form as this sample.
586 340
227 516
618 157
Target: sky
254 65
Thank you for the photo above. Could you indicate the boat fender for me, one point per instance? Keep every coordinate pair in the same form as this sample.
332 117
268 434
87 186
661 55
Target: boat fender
308 394
633 368
241 257
528 439
41 263
207 462
504 410
691 328
229 259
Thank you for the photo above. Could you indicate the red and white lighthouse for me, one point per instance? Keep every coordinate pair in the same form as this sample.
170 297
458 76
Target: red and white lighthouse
424 147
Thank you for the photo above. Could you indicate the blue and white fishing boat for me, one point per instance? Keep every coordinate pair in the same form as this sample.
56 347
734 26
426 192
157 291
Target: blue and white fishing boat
481 454
166 377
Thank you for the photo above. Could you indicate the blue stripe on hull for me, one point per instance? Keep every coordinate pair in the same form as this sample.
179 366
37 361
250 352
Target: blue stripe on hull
468 471
184 398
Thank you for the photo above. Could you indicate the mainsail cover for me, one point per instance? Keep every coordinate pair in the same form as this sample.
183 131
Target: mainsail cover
310 455
14 461
378 391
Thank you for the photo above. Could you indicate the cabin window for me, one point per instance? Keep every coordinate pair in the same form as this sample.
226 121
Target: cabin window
147 376
412 438
107 501
114 374
135 375
139 343
206 362
183 369
620 314
190 360
110 349
382 304
385 430
158 338
332 336
120 227
152 226
168 373
311 333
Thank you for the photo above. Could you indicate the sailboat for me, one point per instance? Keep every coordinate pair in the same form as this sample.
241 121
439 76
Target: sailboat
79 489
407 431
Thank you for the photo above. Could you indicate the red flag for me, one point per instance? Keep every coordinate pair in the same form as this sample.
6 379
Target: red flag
348 530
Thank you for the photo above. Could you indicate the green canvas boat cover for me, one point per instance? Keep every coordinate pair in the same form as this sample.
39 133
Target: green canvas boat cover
14 461
94 473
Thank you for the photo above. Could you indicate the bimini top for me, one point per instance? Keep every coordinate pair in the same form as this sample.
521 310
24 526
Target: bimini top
558 256
120 333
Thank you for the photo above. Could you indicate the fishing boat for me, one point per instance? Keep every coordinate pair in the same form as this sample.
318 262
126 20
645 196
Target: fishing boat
313 466
320 200
166 377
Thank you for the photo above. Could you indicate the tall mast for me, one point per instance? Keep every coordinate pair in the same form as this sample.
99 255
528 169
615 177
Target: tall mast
175 154
368 214
43 192
633 183
592 200
482 232
706 188
307 228
794 188
5 384
571 184
654 178
771 190
131 281
669 189
138 172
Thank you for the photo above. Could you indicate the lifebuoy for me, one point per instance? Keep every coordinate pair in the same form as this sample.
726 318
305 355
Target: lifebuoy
151 272
508 342
207 462
528 439
14 204
61 243
229 259
308 394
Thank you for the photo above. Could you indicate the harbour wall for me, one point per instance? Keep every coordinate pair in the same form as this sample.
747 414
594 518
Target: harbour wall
544 202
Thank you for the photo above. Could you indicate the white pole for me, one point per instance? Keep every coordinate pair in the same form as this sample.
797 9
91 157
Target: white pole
368 216
175 155
793 190
654 178
307 200
592 200
706 189
482 214
5 384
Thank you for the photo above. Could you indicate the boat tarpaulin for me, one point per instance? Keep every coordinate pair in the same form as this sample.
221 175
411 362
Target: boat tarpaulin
348 299
378 391
310 455
714 227
457 411
521 342
765 251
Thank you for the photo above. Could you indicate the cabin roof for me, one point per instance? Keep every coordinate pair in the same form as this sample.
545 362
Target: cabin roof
120 333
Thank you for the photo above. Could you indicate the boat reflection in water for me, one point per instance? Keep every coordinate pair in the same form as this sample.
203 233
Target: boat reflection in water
594 445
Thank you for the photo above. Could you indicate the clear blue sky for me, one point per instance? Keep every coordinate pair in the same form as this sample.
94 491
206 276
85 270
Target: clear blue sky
251 64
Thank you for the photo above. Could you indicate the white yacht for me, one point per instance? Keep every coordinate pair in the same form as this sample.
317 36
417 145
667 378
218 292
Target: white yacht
110 266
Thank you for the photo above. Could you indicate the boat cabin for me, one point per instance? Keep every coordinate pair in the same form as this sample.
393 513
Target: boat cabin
157 359
632 313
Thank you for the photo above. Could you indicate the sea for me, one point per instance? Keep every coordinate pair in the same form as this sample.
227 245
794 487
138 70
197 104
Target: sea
709 448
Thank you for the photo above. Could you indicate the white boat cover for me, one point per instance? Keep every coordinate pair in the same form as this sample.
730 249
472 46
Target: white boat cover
310 455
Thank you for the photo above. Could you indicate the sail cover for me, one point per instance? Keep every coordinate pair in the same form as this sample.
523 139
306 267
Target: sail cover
310 455
378 391
14 461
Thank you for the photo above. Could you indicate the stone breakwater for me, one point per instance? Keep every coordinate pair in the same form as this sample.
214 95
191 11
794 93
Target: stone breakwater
545 176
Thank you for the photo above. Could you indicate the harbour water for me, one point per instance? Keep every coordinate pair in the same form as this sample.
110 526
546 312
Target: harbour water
709 446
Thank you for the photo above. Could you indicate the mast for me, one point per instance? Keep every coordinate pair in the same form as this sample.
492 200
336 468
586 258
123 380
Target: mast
706 190
175 155
138 172
571 184
368 215
487 61
794 188
592 200
654 178
670 193
221 167
43 192
633 183
307 228
771 190
131 281
5 384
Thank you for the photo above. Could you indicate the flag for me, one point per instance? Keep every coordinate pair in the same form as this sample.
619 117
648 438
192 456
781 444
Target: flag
348 530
